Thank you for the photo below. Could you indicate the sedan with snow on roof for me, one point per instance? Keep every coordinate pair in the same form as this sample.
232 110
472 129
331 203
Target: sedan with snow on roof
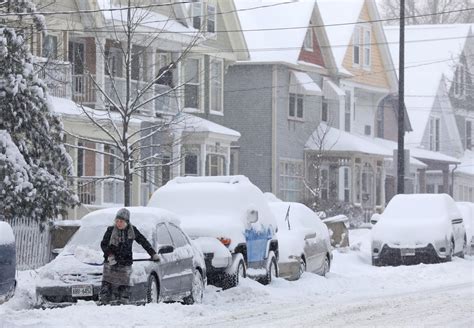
76 273
7 262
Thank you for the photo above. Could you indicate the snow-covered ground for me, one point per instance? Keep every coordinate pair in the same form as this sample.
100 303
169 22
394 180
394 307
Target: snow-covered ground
353 294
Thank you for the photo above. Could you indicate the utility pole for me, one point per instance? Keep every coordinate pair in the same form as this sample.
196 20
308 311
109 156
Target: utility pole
401 105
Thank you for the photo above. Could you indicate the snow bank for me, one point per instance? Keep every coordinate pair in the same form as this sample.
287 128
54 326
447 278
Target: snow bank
6 234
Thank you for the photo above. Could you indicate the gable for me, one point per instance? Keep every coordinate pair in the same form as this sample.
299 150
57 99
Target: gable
313 55
374 74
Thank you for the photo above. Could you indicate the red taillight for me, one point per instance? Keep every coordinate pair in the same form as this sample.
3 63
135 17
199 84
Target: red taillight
225 241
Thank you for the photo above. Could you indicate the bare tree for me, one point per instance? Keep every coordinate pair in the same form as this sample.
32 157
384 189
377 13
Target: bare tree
125 99
314 179
429 11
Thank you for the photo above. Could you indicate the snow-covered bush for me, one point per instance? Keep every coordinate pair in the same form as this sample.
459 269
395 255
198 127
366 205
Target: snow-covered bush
36 132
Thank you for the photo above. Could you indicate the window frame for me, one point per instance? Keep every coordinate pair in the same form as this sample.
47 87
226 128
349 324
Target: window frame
45 52
197 165
214 20
324 110
198 84
356 46
308 43
212 108
298 98
468 135
367 47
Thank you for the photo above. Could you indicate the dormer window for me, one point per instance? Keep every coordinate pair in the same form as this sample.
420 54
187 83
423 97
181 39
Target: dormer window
203 16
308 40
356 46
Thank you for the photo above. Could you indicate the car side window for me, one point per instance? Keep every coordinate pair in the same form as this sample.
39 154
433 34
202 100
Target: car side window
178 237
163 236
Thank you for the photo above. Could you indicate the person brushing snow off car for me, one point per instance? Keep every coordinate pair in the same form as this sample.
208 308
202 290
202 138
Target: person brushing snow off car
117 247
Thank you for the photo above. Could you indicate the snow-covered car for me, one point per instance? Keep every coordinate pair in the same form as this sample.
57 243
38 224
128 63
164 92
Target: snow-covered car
230 218
467 212
303 240
76 273
418 228
7 262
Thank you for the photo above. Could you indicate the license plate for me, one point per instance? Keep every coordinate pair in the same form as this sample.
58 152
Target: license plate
408 252
82 291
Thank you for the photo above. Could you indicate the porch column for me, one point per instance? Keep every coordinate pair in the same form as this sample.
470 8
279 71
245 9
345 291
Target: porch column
446 181
151 62
99 70
176 156
422 180
73 153
99 171
227 162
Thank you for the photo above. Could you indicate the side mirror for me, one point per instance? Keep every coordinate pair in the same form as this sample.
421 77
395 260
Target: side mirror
310 236
375 218
252 216
166 249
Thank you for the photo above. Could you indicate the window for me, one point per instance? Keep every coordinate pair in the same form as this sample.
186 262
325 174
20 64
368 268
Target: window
324 184
367 48
440 189
469 135
435 134
368 130
197 13
296 106
347 189
378 187
114 64
358 184
380 122
324 110
110 162
163 236
356 46
80 159
216 82
211 18
430 188
347 112
308 40
192 83
50 47
291 180
178 238
460 81
138 63
215 165
165 170
191 165
77 57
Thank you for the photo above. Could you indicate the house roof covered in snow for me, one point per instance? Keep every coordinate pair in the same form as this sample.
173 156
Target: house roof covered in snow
194 124
338 16
425 154
266 40
431 51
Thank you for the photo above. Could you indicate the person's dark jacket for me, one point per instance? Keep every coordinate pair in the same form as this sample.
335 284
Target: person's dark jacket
123 251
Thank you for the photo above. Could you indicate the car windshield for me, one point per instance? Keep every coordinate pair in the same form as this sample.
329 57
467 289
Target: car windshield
90 237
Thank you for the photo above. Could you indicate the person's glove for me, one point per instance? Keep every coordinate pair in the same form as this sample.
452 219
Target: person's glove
155 257
111 260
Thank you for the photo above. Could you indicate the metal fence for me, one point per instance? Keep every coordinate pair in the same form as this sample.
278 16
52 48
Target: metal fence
33 245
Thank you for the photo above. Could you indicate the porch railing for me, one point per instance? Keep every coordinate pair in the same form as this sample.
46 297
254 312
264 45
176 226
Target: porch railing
86 191
83 89
56 75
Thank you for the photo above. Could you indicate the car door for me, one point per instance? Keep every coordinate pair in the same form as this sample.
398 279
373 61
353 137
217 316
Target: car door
184 256
170 281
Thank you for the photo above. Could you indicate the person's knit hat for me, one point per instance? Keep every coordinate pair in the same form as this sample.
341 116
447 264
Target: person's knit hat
123 214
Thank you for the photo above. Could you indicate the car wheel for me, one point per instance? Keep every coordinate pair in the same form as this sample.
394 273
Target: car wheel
302 267
272 269
197 289
464 248
232 280
451 252
153 290
326 266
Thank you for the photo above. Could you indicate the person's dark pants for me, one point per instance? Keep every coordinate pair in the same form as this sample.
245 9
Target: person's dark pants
113 293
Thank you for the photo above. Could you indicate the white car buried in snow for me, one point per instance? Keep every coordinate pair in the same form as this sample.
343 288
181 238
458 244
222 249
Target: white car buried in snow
303 240
418 228
76 273
467 212
230 218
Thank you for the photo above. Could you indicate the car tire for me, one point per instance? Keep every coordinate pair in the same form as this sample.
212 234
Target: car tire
376 262
197 289
302 268
153 290
464 247
232 280
326 266
450 257
272 269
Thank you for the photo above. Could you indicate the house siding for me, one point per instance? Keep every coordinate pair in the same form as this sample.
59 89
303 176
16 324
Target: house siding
248 109
315 56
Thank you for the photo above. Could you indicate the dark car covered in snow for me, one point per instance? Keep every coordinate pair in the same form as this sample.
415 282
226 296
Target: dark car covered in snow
7 262
76 273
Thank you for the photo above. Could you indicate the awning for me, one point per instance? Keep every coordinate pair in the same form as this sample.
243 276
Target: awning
331 90
302 83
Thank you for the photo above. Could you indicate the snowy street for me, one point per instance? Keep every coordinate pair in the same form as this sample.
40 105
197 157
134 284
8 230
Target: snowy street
354 294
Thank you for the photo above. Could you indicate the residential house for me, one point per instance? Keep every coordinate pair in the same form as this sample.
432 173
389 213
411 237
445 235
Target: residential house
438 99
87 45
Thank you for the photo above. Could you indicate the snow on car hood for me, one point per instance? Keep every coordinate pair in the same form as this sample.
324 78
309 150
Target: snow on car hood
410 233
